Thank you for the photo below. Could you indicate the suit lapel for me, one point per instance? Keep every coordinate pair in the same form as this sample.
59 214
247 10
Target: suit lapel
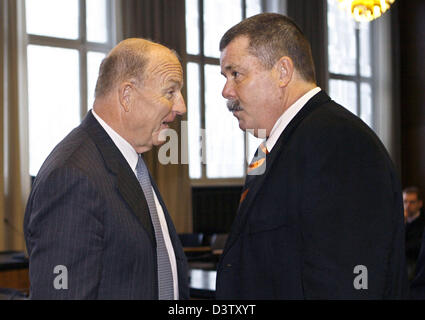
243 210
127 183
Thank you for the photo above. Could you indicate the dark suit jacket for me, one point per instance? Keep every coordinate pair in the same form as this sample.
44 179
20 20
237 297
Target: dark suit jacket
328 201
87 212
417 288
414 232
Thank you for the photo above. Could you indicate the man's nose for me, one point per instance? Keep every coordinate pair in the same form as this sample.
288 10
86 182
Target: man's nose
180 106
228 91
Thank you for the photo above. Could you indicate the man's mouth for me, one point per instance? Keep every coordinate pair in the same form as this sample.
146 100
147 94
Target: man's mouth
167 120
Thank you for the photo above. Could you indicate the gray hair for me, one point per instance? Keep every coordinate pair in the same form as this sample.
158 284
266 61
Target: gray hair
273 36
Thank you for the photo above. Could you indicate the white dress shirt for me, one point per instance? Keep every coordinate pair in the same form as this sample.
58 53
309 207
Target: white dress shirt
132 157
414 217
287 116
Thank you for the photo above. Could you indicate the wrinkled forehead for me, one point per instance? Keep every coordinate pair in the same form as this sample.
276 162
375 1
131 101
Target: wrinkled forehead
164 66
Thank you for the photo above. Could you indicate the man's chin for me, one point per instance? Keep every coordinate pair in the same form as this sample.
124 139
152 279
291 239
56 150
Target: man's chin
158 143
243 126
160 136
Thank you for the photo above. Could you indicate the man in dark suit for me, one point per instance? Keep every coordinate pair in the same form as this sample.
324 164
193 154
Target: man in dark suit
321 213
96 226
415 225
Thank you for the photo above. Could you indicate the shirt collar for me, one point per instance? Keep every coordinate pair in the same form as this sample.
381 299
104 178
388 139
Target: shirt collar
125 148
413 218
287 116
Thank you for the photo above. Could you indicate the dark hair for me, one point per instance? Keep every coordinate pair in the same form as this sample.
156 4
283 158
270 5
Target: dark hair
122 64
413 189
273 36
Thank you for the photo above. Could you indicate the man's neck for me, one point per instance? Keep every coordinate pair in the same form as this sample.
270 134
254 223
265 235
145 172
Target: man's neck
413 217
287 116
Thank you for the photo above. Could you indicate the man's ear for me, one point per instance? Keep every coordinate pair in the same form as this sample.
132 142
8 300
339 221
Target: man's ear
420 203
285 69
124 93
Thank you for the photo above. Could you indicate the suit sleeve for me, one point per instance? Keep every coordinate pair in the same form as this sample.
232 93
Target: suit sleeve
417 289
351 221
64 234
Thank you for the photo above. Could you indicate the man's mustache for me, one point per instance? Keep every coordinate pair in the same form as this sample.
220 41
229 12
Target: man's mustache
234 105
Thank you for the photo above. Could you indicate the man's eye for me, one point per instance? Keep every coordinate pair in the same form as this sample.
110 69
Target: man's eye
235 74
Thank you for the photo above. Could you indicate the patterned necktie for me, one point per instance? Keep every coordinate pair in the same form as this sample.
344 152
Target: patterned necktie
256 167
165 278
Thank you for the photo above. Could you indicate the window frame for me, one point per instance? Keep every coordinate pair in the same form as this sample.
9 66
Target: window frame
80 44
357 78
202 60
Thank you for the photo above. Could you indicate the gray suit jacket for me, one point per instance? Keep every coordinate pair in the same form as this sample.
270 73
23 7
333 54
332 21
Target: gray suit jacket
87 212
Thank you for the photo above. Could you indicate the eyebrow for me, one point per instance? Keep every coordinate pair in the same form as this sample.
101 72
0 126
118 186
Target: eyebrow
231 67
175 83
226 68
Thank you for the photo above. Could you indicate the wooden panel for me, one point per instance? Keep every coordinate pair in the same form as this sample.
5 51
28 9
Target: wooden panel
214 208
414 156
15 279
411 24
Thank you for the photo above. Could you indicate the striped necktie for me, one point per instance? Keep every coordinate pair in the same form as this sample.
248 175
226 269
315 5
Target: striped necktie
256 167
165 277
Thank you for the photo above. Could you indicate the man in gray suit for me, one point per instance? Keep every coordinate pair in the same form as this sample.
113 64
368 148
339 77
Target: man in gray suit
96 226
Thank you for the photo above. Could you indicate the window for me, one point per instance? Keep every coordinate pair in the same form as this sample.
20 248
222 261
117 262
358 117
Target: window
350 68
217 146
66 42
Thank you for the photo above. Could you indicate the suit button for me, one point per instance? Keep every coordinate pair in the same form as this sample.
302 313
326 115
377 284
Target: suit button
228 265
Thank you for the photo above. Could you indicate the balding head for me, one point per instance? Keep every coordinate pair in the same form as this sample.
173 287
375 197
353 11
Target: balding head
138 92
126 62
